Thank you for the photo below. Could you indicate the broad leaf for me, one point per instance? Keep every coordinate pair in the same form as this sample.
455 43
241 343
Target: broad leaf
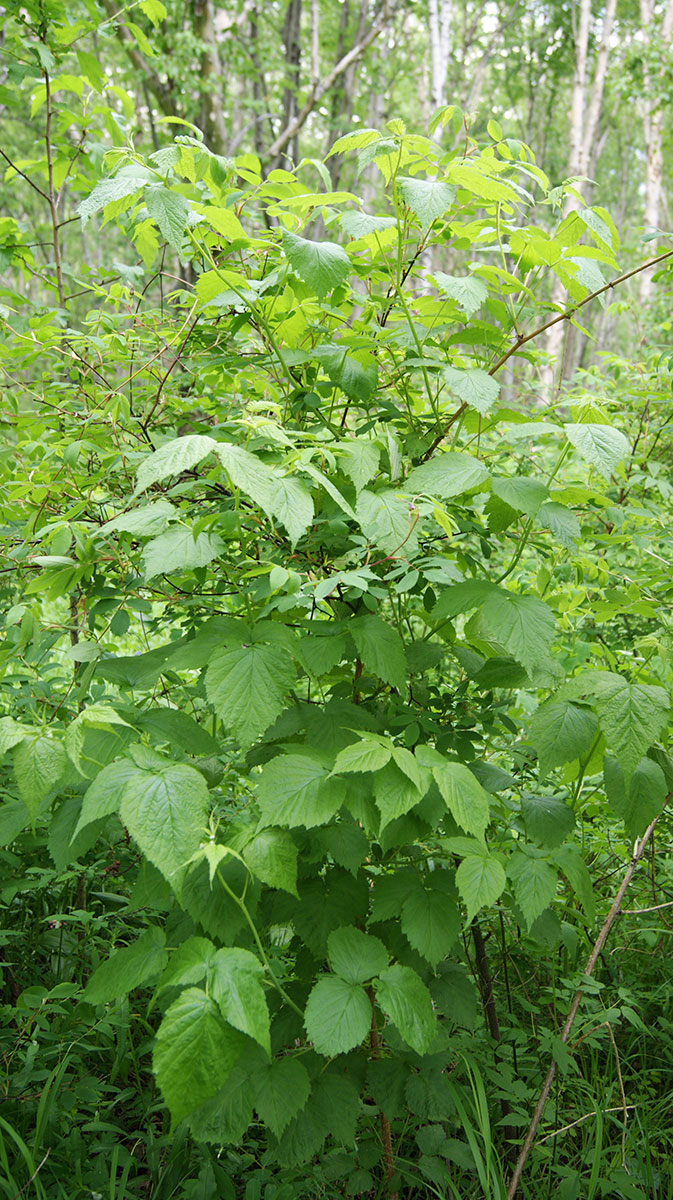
430 918
171 212
180 549
406 1001
338 1016
481 880
427 198
464 797
129 968
280 1090
631 717
104 795
521 493
380 648
297 789
182 454
272 857
447 475
165 813
39 763
561 732
548 820
561 523
395 793
356 956
234 982
292 504
523 625
247 686
194 1052
600 445
474 387
388 521
468 291
322 265
365 755
534 884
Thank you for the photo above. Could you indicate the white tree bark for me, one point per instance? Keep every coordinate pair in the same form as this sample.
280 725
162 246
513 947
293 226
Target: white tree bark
585 113
439 14
653 120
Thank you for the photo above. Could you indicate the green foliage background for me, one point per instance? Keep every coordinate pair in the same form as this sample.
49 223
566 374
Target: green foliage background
336 661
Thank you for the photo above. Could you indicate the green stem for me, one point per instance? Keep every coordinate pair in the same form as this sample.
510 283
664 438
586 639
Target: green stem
258 942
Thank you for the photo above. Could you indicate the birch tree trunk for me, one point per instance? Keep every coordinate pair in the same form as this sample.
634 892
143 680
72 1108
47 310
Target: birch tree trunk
439 16
292 43
653 120
585 112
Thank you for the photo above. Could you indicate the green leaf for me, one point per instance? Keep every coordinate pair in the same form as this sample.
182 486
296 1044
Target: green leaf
366 755
297 789
631 717
234 982
523 625
272 857
561 523
406 1001
322 265
387 520
430 918
189 963
39 763
281 1089
165 813
356 956
380 648
361 461
569 859
639 803
177 728
534 884
481 880
468 291
473 386
600 445
447 475
359 224
247 686
395 794
171 212
146 521
11 733
108 190
291 503
428 199
464 797
180 549
182 454
345 371
521 493
561 732
250 474
548 820
104 795
194 1052
129 968
338 1016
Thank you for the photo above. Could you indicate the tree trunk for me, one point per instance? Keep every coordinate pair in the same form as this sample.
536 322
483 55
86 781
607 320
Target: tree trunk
439 15
212 107
292 43
653 123
585 112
